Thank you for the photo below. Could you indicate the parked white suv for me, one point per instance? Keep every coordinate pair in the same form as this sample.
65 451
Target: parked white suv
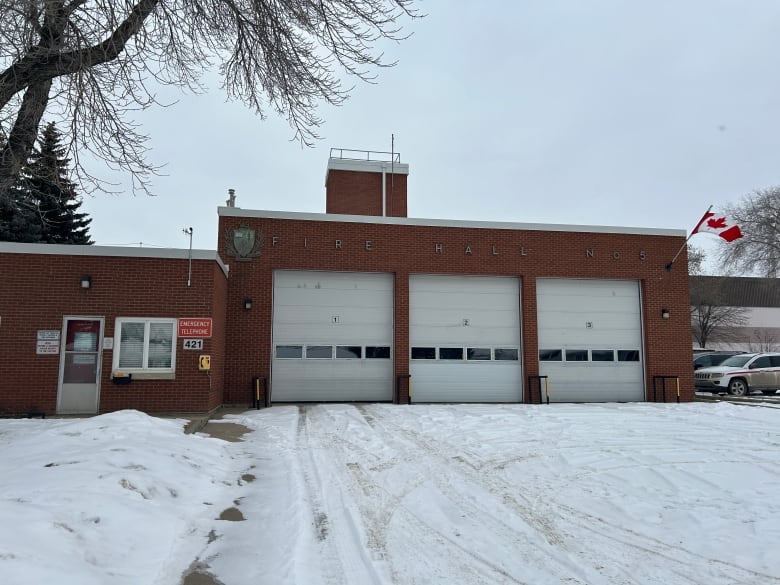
740 374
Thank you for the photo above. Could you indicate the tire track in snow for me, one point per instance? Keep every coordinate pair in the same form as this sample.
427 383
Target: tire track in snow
375 505
332 521
329 559
379 506
642 545
639 545
519 531
476 473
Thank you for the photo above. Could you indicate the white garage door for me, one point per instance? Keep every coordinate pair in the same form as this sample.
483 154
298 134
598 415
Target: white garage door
332 337
465 339
590 339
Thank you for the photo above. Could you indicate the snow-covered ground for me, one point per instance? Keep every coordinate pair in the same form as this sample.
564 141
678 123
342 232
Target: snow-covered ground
380 494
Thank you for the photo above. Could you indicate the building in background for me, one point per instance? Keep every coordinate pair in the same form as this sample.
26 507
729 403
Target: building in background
746 309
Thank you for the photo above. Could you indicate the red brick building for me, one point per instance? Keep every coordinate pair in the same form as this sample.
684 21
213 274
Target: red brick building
62 315
361 303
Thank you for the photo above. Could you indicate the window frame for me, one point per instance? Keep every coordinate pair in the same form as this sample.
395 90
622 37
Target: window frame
376 349
553 354
429 350
348 349
288 346
451 354
318 348
145 372
576 355
514 352
300 351
479 354
628 356
602 353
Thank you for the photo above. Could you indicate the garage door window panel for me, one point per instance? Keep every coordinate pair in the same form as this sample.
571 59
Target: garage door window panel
576 355
550 355
349 352
451 353
506 354
289 351
377 352
319 352
423 353
628 355
602 355
478 354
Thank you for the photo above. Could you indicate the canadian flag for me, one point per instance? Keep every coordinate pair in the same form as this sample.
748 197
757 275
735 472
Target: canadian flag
718 224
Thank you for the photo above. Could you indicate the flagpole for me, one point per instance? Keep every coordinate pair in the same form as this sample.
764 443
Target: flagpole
685 243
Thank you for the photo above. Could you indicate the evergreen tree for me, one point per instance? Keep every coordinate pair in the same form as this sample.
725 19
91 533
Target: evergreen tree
45 184
18 220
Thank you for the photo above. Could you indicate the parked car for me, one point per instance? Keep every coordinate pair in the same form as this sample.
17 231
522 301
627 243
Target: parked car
712 358
740 374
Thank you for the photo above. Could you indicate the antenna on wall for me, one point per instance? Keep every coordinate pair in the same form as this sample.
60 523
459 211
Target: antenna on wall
188 232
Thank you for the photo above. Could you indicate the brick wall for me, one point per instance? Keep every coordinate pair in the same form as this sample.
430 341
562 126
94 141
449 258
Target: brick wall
360 193
38 290
406 249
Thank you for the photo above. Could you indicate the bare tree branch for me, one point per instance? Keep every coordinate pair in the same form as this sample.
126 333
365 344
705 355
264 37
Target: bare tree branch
696 258
758 251
102 60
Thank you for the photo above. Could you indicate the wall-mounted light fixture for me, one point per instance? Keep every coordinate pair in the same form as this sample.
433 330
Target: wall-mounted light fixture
247 304
665 313
86 281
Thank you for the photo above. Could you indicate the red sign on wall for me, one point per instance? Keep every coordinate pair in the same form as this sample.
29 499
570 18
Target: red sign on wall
195 327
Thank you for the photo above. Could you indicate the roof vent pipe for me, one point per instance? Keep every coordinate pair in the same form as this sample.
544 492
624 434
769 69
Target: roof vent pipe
231 202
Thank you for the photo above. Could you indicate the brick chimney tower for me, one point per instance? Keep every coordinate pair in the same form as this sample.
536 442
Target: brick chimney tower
361 182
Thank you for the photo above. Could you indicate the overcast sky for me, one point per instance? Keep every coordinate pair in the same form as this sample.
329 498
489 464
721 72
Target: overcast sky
607 112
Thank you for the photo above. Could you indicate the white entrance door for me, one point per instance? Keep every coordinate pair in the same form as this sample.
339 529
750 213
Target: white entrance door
80 366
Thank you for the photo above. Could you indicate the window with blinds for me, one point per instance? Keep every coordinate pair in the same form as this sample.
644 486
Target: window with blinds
145 345
160 345
131 345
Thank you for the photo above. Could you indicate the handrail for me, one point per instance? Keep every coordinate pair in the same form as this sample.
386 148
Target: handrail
369 155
